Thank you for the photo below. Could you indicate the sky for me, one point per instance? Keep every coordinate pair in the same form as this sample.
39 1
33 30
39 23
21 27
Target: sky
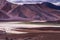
56 2
36 0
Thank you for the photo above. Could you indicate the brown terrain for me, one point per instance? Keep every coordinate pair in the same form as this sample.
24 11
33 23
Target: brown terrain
13 12
35 34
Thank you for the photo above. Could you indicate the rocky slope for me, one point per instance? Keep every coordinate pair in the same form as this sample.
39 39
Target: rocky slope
31 12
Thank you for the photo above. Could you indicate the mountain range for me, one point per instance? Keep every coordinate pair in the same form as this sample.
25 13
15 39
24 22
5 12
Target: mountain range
29 12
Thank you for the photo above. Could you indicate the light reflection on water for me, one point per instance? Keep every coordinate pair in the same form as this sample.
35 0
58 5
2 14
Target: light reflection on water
8 26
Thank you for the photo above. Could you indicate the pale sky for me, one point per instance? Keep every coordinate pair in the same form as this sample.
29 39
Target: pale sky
55 2
35 0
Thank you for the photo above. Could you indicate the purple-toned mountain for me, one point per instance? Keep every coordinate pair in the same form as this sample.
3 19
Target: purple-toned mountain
27 12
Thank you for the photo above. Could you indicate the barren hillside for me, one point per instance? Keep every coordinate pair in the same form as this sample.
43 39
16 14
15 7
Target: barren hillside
31 12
